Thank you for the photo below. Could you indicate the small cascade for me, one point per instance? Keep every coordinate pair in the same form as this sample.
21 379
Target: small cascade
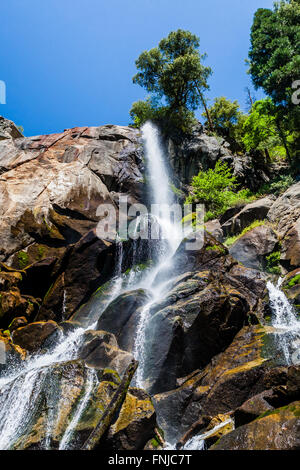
198 442
65 443
22 386
285 323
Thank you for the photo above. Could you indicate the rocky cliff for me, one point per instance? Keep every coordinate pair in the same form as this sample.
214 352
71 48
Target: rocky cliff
214 354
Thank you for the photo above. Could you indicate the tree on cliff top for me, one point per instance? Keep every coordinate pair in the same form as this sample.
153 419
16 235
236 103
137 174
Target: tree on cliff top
173 72
275 63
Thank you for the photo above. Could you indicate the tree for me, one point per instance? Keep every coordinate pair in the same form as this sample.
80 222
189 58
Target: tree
275 64
174 72
274 53
228 120
260 128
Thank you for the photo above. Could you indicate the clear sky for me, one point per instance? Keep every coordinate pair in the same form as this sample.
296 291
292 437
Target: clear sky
70 63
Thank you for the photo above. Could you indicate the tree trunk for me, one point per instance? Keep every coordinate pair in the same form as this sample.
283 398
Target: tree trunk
206 110
283 138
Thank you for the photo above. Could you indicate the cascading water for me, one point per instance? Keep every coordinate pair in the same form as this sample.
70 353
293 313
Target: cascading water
285 323
171 233
20 389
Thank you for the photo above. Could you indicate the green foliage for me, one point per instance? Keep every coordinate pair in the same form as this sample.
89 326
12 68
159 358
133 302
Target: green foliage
260 128
275 65
227 119
272 260
274 53
215 189
23 259
278 186
173 71
293 282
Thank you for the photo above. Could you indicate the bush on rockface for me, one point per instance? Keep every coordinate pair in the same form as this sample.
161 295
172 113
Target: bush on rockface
216 189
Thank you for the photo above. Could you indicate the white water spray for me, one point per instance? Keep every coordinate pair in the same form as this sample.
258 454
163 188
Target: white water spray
284 320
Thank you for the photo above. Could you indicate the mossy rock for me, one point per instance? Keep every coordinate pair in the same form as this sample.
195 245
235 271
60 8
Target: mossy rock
274 430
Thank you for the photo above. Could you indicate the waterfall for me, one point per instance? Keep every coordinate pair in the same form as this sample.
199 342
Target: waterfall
159 194
285 323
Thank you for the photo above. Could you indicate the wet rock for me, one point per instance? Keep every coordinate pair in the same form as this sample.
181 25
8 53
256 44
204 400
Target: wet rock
34 336
253 408
197 319
231 378
135 424
252 248
100 350
219 426
122 315
62 387
257 210
274 430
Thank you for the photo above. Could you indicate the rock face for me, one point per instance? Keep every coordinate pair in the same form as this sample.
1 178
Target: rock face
246 368
100 350
291 287
285 215
199 151
274 430
121 317
206 306
62 389
34 336
252 248
50 189
210 355
257 210
136 421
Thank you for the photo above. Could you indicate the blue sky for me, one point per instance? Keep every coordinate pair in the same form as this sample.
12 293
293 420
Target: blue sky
70 63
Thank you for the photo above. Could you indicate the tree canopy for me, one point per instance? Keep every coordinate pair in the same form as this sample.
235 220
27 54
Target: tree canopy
173 72
274 54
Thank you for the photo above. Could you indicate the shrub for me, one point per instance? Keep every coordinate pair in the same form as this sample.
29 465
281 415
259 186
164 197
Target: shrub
272 260
215 188
277 186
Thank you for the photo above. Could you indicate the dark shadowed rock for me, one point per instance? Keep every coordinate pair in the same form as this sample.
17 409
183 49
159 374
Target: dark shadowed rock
253 408
32 337
257 210
252 248
246 368
122 315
